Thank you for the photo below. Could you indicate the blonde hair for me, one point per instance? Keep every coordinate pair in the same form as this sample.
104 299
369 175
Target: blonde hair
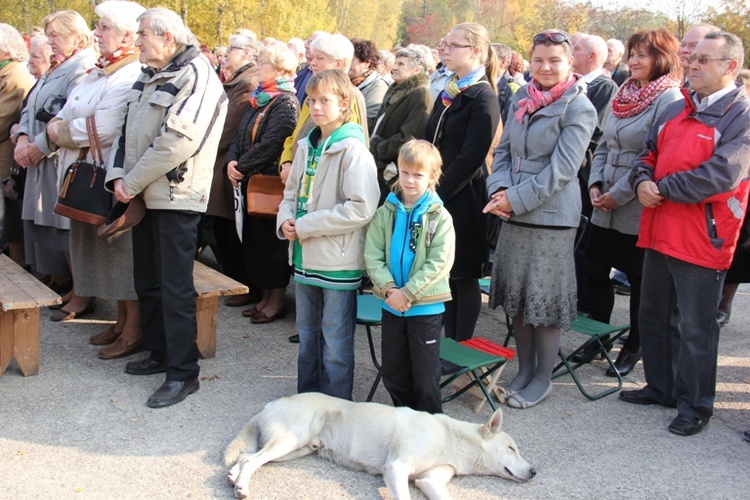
421 155
335 82
478 36
282 58
70 23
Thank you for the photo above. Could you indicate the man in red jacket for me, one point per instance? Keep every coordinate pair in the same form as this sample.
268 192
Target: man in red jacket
692 181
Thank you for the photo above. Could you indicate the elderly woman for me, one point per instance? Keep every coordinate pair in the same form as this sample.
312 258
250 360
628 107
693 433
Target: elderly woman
656 78
256 149
46 233
403 116
462 125
363 74
15 83
103 267
240 79
40 55
535 190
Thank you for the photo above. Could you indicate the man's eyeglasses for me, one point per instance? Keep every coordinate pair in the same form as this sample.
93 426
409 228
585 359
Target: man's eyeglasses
553 37
232 47
703 59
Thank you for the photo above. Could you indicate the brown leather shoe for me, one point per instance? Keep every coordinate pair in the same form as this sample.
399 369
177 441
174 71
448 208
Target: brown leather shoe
238 300
249 313
121 348
262 318
63 315
106 337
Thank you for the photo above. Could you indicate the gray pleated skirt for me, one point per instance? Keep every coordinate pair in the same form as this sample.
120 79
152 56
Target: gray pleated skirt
102 267
533 275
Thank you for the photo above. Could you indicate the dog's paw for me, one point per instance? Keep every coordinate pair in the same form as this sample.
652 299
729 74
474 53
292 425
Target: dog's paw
241 491
234 473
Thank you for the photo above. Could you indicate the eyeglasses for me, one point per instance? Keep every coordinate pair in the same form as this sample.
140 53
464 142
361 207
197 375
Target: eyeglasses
232 47
553 37
450 47
703 59
102 27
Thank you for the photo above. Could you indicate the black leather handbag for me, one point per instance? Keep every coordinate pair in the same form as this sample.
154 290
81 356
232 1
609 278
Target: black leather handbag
82 195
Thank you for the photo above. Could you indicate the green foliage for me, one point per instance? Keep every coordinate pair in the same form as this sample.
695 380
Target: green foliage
734 17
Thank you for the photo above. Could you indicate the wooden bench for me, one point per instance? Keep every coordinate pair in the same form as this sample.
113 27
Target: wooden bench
21 297
209 286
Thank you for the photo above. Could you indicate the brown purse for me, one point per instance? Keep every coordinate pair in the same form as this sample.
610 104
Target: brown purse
82 196
264 192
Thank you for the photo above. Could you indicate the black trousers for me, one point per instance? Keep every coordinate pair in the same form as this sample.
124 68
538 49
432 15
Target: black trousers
164 246
411 360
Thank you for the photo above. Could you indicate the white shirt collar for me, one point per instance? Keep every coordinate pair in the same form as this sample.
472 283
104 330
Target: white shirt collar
590 77
711 99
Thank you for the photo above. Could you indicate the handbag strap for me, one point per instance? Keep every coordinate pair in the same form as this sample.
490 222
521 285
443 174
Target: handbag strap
260 117
96 147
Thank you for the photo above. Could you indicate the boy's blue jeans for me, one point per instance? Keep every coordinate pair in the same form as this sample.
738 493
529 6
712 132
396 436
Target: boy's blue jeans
326 320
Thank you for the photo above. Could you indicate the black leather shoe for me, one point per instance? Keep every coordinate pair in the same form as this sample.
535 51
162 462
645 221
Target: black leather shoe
294 339
746 436
146 366
685 425
588 354
625 363
639 397
172 392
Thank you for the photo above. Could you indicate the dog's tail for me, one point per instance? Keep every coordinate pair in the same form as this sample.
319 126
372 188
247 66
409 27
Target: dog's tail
246 440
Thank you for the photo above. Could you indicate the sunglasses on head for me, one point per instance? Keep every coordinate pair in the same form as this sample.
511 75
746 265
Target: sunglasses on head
552 37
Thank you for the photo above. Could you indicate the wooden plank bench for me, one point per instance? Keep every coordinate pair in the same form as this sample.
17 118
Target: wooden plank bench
21 297
209 286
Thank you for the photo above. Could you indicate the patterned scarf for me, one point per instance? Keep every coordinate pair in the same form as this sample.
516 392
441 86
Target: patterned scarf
538 98
361 78
456 85
631 98
268 90
56 60
116 56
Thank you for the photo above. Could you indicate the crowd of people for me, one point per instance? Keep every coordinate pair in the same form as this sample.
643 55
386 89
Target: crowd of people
401 169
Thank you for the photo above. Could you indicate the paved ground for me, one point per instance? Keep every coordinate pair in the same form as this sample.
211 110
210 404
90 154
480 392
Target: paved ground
80 429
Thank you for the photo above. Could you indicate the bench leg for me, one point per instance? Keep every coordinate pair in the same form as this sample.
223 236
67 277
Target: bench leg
6 340
207 314
19 338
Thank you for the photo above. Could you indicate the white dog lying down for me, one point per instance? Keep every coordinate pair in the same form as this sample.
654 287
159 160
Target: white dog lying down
399 443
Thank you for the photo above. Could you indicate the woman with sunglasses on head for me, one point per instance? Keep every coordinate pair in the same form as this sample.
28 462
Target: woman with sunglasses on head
462 126
656 77
535 190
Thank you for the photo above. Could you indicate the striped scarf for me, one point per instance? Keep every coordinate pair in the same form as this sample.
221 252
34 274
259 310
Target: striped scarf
456 85
268 90
116 56
538 98
56 60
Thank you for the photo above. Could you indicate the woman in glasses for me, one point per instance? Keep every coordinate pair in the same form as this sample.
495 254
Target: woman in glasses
535 190
462 125
656 77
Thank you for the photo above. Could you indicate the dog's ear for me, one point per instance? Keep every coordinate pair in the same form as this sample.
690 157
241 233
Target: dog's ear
494 424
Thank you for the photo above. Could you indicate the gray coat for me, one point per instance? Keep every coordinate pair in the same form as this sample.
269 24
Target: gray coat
621 144
42 181
537 161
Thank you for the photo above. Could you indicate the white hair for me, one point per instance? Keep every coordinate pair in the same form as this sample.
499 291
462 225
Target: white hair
297 45
251 46
426 52
122 15
596 45
246 32
337 48
164 21
617 45
12 43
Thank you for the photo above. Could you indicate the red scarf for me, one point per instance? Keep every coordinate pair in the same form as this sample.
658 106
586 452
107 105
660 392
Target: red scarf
118 55
538 98
56 60
631 99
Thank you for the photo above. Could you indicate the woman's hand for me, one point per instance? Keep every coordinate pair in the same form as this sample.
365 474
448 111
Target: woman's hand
288 229
235 176
53 131
20 153
284 171
648 194
396 300
34 154
603 202
499 205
